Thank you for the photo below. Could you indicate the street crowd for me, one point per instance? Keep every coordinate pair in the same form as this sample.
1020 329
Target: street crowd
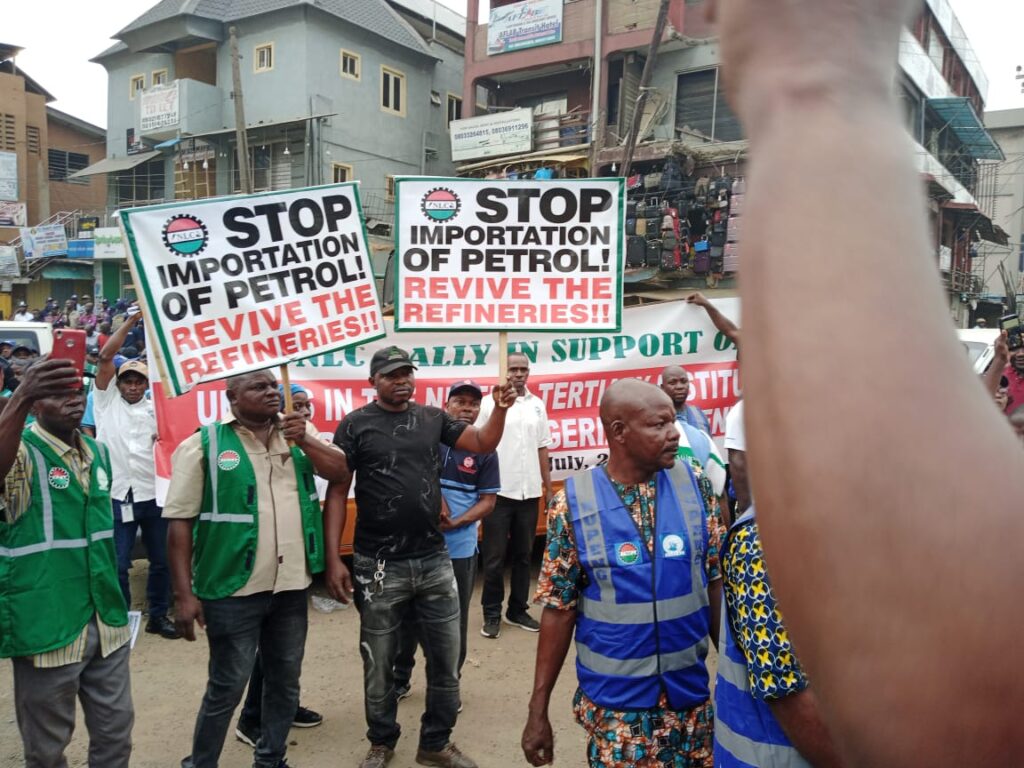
650 558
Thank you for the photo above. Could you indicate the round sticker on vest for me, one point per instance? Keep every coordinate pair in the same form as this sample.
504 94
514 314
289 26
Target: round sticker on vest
673 546
228 460
59 478
628 553
102 480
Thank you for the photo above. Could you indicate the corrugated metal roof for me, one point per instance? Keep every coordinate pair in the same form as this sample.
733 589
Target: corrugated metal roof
373 15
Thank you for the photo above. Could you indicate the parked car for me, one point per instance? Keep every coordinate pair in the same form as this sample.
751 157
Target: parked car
38 336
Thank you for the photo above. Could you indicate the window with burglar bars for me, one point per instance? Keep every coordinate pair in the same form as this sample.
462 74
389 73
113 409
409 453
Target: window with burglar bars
63 164
32 136
7 133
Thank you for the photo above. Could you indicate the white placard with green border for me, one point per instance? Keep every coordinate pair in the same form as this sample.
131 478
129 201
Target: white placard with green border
478 254
245 283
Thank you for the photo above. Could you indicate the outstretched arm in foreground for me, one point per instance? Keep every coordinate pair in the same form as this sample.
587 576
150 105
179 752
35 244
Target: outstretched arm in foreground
898 503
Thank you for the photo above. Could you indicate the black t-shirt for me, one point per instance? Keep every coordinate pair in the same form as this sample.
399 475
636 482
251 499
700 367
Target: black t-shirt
397 466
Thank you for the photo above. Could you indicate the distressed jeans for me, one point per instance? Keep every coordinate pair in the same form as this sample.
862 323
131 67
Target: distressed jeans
465 575
235 627
423 589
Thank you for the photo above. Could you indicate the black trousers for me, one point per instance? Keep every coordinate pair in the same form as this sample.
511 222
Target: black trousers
508 531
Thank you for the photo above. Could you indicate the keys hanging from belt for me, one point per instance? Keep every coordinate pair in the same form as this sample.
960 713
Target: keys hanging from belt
378 577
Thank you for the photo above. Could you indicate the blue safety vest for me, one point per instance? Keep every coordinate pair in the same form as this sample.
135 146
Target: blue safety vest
747 735
642 625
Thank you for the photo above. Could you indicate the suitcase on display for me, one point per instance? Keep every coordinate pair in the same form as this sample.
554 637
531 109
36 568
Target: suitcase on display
702 263
630 226
653 257
654 225
636 251
640 227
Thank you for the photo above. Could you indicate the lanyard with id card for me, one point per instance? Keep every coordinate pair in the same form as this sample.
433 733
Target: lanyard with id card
127 513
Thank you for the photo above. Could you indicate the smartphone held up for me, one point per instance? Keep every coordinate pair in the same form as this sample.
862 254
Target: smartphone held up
70 344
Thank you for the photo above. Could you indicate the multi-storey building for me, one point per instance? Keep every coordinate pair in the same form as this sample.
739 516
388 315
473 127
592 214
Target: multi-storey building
576 66
332 91
1007 208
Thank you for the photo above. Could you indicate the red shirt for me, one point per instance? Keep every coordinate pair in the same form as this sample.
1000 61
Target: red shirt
1015 389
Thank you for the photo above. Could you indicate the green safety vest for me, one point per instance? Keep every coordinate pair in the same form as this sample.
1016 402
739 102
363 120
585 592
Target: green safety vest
225 536
58 566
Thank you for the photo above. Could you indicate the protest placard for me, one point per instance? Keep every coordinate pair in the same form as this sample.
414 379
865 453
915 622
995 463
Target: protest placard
476 254
249 282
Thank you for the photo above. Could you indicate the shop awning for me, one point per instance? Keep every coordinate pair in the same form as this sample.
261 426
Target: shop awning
959 116
973 219
67 272
115 164
571 154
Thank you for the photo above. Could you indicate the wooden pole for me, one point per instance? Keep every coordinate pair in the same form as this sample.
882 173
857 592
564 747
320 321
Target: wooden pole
241 139
286 385
502 358
645 82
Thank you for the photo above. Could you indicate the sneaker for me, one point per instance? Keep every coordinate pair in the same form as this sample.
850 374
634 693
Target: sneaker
306 718
163 626
403 691
448 757
523 620
491 628
377 757
247 733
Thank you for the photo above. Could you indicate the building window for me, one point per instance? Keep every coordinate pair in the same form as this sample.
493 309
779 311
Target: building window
350 65
32 135
63 164
158 77
392 91
389 188
701 108
341 172
142 184
137 85
7 133
263 60
454 108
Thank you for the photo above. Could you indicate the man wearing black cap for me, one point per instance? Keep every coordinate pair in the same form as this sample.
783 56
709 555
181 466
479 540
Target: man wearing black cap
401 564
469 487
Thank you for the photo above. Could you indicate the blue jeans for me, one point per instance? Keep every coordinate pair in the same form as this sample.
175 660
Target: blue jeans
465 575
235 627
422 588
154 536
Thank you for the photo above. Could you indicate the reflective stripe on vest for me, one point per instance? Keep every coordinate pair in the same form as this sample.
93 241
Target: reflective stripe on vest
48 541
664 609
762 742
214 516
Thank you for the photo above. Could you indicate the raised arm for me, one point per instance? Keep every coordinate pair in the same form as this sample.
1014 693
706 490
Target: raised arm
328 460
106 371
485 438
905 497
721 322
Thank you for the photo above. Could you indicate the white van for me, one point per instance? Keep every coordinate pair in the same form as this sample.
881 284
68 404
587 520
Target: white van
980 346
38 336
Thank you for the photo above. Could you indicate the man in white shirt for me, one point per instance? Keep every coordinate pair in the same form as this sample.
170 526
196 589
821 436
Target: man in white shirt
126 424
736 445
23 315
525 475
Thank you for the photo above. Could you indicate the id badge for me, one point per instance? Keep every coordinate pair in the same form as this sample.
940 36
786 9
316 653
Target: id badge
127 514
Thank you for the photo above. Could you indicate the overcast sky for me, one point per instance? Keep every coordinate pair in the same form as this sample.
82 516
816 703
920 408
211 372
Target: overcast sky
60 36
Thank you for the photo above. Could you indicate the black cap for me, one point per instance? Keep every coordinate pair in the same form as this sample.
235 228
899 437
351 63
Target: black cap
389 359
465 385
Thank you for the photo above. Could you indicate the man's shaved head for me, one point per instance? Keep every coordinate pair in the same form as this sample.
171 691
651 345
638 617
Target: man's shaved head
640 423
629 396
675 382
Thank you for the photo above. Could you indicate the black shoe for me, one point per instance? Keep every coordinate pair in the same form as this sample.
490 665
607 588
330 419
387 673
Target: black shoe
491 628
306 718
247 733
523 620
163 626
403 691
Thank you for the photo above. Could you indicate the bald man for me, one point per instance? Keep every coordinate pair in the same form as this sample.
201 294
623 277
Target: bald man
675 382
631 568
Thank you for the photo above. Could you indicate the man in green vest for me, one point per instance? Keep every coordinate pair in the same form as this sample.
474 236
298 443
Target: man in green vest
245 536
63 619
